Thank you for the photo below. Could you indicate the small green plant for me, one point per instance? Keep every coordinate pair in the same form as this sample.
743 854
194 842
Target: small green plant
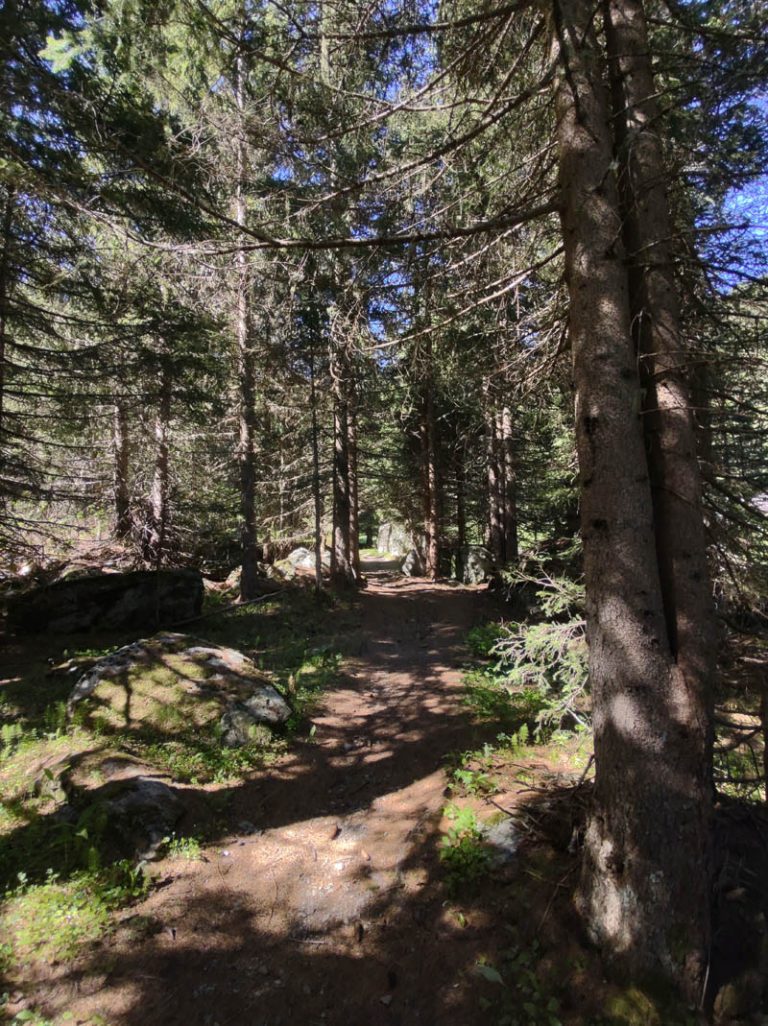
482 639
469 775
462 851
184 848
522 999
54 920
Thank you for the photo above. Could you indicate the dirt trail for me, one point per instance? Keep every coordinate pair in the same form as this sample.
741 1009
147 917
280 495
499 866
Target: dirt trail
331 913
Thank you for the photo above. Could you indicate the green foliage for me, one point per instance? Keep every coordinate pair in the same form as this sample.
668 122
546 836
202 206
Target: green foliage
54 920
539 676
188 848
481 640
467 777
463 852
523 998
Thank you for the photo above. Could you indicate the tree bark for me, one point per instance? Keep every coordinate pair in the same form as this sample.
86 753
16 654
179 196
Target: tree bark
354 497
5 290
430 474
461 512
316 491
246 372
668 417
157 527
342 572
121 467
645 887
495 528
509 491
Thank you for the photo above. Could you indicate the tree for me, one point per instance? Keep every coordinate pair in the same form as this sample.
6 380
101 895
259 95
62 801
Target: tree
646 900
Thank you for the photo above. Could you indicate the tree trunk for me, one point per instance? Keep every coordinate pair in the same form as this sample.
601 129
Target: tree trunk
342 572
430 476
461 512
645 885
509 491
157 526
354 498
316 492
121 457
669 425
495 524
246 373
5 289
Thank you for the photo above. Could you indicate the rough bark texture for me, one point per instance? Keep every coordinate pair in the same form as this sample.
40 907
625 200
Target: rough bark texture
509 492
316 489
246 372
354 501
430 476
644 888
668 418
495 522
121 457
461 513
5 289
342 572
157 520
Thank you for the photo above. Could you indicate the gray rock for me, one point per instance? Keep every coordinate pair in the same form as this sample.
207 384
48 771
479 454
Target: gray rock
144 598
476 564
504 838
143 812
302 557
171 681
413 564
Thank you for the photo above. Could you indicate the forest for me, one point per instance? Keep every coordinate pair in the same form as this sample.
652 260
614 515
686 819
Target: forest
383 494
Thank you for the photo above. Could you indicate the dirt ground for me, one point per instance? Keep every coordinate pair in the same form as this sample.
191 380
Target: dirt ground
321 900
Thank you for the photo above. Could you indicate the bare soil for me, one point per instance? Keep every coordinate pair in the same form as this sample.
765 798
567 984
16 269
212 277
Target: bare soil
332 912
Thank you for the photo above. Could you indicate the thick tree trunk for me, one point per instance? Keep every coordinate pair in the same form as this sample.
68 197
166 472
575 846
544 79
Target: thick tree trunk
668 417
121 467
509 491
156 531
644 887
246 372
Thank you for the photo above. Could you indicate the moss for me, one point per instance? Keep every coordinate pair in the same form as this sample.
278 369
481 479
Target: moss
632 1007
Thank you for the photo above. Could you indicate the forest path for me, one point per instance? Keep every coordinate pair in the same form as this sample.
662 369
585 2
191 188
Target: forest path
333 912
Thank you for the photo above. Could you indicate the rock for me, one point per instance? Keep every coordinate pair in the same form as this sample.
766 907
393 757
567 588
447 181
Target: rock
120 804
305 558
394 538
413 564
143 812
171 684
144 598
302 557
738 999
504 838
476 564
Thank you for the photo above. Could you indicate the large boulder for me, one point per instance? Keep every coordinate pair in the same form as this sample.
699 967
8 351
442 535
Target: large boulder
476 564
413 564
394 538
172 684
143 598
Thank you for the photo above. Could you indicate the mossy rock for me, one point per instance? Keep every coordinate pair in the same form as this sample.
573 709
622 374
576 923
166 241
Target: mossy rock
170 685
